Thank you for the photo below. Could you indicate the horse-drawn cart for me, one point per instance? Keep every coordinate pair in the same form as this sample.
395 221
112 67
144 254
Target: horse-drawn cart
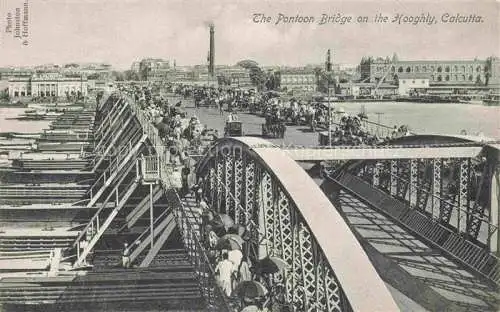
273 128
233 129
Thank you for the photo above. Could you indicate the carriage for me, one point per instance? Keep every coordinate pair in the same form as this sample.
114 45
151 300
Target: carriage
233 129
273 128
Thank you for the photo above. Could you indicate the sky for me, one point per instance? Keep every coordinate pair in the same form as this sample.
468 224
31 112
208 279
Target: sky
120 32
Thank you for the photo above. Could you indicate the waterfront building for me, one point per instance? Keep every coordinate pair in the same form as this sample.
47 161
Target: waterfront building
410 82
298 79
47 84
440 72
494 72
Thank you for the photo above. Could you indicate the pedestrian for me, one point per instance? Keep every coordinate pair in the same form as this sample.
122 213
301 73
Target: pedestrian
223 274
244 273
235 257
194 190
203 206
126 256
221 108
185 175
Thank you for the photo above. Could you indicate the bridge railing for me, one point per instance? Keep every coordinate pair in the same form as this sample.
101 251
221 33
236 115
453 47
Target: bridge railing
150 168
206 273
452 242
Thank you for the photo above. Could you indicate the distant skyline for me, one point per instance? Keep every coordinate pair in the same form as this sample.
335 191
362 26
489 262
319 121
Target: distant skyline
120 32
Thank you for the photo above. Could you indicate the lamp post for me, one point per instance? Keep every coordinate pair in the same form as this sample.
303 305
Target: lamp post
378 121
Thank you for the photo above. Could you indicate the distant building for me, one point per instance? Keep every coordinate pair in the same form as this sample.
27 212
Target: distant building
136 67
494 72
408 83
154 69
298 79
441 72
10 73
237 75
349 89
93 71
47 85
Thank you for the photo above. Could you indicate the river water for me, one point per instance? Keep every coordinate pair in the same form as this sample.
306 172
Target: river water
23 126
421 118
433 118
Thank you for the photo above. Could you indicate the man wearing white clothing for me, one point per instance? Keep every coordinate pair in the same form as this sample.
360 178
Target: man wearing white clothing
223 273
235 257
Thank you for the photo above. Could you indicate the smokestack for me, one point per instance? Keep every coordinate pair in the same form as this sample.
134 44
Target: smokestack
328 64
211 55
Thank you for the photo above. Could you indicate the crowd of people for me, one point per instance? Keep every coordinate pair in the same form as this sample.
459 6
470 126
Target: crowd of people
238 272
227 244
179 133
279 112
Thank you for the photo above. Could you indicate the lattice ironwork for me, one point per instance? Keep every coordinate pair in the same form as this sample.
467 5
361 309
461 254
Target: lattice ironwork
437 186
209 192
309 283
403 180
267 202
248 208
449 193
424 185
481 202
376 174
463 194
385 175
238 184
228 185
220 193
394 177
412 187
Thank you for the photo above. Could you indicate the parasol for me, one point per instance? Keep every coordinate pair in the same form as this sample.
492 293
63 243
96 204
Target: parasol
228 243
234 237
251 308
271 265
222 220
251 289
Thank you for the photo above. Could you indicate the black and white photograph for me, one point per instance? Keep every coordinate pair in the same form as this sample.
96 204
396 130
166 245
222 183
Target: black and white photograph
249 155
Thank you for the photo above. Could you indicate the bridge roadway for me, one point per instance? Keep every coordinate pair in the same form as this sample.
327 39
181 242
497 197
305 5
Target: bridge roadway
419 276
302 144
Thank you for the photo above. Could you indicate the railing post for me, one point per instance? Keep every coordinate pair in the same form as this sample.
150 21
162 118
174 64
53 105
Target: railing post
151 219
494 201
116 195
137 173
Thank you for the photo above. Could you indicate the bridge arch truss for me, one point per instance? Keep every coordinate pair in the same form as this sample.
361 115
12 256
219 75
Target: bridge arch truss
288 216
450 202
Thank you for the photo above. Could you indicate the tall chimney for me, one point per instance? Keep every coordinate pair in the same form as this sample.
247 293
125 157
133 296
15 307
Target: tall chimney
328 61
211 55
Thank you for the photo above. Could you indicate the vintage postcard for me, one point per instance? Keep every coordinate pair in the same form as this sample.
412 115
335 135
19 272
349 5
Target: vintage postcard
239 156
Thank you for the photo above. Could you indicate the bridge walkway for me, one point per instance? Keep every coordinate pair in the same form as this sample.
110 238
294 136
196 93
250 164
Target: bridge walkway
475 258
419 271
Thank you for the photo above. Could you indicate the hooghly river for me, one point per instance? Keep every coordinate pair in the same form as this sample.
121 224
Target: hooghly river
23 126
421 118
433 118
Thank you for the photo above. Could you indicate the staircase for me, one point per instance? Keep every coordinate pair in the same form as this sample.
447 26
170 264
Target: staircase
94 230
115 167
169 282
